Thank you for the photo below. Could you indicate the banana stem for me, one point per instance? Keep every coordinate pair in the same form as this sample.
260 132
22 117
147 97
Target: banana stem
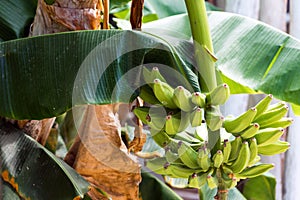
203 46
222 189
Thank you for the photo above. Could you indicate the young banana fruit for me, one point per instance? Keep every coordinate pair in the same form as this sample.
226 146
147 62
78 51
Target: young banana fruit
147 94
188 155
203 160
242 159
268 136
254 171
199 99
176 123
275 148
214 118
272 116
183 99
164 93
196 117
219 95
262 106
218 159
253 152
149 76
226 150
251 131
240 123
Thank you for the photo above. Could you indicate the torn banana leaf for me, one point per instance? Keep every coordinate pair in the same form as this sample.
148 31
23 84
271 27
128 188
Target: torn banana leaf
33 172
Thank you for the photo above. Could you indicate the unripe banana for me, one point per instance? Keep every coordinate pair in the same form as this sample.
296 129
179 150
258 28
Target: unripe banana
268 136
219 95
164 93
235 148
218 159
254 171
272 149
241 122
196 117
262 106
253 151
183 99
213 118
186 137
160 137
158 165
143 114
233 183
212 182
198 180
178 171
172 158
149 76
199 99
147 94
251 131
272 116
203 160
157 117
283 123
226 150
177 123
242 160
276 106
155 74
188 156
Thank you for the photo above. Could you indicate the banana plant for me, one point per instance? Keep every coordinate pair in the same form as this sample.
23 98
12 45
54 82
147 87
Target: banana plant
188 82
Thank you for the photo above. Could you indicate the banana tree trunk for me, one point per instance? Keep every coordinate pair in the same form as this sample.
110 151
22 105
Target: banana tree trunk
98 154
292 170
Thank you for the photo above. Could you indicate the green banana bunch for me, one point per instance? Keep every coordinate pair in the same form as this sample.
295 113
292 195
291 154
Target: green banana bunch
183 99
240 123
203 160
274 148
164 93
254 171
196 117
188 155
242 159
218 159
214 118
268 136
219 95
199 99
176 123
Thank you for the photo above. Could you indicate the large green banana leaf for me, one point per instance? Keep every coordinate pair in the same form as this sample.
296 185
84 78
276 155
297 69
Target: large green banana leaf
46 75
37 74
32 172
